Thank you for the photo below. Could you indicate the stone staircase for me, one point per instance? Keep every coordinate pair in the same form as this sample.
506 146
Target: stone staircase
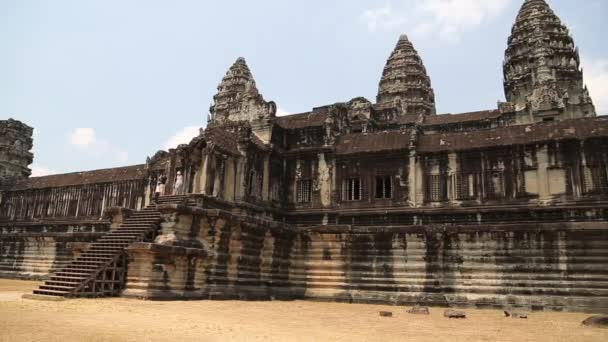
100 270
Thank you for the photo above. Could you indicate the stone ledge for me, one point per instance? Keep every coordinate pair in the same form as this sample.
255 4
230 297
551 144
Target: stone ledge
154 248
454 228
218 213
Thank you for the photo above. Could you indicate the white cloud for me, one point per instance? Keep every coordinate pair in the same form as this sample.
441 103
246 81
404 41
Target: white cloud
453 17
282 112
446 18
596 78
39 171
123 156
183 136
85 140
82 137
382 19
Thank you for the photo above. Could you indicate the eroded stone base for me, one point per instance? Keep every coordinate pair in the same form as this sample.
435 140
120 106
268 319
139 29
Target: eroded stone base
537 267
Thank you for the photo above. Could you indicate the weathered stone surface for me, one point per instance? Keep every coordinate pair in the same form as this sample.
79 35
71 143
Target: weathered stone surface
405 83
364 202
15 145
32 250
419 310
542 73
454 314
596 321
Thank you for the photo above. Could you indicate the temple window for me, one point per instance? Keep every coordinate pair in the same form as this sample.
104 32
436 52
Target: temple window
253 184
384 187
595 179
304 190
465 186
436 190
496 184
352 190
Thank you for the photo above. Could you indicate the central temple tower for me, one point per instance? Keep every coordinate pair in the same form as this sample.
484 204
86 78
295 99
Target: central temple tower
405 83
542 74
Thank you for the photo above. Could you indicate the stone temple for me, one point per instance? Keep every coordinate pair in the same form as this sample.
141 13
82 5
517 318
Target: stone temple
358 201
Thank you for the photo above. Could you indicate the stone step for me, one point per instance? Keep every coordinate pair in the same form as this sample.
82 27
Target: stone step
80 274
56 287
59 277
50 292
115 238
104 249
93 258
97 244
127 225
98 255
67 283
125 234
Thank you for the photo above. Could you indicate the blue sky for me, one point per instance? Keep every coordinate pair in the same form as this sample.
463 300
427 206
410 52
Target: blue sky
106 83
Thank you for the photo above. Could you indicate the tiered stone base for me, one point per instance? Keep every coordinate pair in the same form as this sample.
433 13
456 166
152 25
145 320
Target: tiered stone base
212 254
32 250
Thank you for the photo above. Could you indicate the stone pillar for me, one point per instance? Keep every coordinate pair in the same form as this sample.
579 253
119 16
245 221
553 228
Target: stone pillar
241 179
266 178
542 156
453 169
229 180
412 179
324 180
419 181
217 179
203 174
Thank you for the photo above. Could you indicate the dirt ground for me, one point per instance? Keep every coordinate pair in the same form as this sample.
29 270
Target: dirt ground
118 319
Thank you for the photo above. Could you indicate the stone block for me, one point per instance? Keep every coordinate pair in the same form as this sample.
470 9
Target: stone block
386 314
454 314
419 310
599 321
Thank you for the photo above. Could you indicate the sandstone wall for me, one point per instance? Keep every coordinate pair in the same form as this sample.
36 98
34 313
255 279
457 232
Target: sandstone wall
212 254
208 253
33 250
558 267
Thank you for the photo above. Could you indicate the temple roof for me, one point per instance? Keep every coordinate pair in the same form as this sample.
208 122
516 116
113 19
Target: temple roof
385 141
86 177
445 119
515 135
309 119
223 138
405 82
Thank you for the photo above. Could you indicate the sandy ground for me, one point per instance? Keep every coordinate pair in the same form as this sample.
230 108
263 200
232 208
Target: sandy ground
118 319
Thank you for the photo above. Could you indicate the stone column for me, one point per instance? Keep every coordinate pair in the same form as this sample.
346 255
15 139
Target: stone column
266 178
453 169
412 179
240 182
542 156
419 181
324 175
229 180
203 173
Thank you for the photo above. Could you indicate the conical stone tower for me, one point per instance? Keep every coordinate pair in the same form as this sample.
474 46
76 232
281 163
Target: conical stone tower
405 83
238 98
542 72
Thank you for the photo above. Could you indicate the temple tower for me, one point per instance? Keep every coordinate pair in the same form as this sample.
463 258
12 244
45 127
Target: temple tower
238 98
542 74
405 83
15 145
